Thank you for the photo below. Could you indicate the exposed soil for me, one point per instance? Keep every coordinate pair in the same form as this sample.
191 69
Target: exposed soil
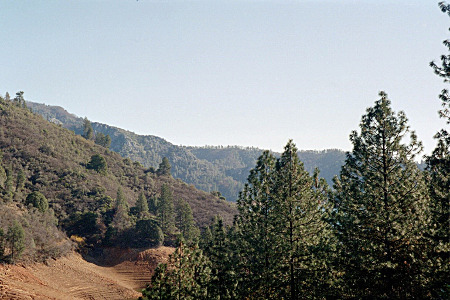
118 274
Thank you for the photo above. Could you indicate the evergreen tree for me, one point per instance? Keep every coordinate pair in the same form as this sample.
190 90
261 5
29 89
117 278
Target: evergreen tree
36 199
299 221
438 166
380 212
258 236
16 239
19 100
20 181
148 233
88 132
165 211
121 218
283 232
184 221
153 204
2 244
186 276
142 206
164 167
98 163
102 140
223 281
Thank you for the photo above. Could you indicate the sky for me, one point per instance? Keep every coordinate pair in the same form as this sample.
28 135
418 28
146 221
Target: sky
248 73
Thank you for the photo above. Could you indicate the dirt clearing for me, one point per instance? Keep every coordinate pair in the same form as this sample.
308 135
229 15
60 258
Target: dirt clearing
119 275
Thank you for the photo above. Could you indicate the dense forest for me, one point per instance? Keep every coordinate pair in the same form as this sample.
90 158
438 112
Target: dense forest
209 168
55 184
380 232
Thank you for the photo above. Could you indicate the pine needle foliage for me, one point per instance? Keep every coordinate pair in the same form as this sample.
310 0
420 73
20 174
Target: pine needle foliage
381 209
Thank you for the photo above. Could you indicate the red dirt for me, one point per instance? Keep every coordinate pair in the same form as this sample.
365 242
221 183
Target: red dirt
122 274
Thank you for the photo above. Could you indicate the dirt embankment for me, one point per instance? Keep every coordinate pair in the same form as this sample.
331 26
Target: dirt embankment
120 274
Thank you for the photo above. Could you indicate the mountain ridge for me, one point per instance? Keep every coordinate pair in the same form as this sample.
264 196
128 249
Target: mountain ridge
209 168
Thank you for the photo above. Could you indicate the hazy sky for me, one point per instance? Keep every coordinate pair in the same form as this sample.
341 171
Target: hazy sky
250 73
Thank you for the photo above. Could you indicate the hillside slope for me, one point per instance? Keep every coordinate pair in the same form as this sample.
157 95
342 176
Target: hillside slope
37 156
223 169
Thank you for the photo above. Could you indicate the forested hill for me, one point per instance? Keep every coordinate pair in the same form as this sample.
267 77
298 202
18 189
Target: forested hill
49 176
223 169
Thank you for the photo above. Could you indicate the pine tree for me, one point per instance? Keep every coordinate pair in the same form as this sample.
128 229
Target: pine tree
19 100
2 244
380 211
165 210
20 180
184 221
98 163
282 229
88 132
102 140
121 218
142 206
153 205
217 247
185 276
164 167
16 239
300 209
255 220
438 166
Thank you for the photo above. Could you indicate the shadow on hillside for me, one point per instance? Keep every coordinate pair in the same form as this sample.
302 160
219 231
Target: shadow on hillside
110 257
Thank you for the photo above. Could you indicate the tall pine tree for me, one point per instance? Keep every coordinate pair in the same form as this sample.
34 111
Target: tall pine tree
380 211
165 211
438 166
299 220
282 229
257 235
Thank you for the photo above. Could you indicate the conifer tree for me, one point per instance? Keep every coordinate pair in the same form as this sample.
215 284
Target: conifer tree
20 180
121 218
282 229
2 243
438 166
184 221
153 204
142 206
223 281
165 210
38 200
16 239
380 209
88 132
185 276
299 220
164 167
255 220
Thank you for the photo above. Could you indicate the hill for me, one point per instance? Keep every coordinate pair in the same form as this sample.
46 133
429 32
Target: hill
223 169
49 187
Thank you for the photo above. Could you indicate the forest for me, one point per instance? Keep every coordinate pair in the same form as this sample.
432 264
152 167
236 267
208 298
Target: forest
381 231
378 230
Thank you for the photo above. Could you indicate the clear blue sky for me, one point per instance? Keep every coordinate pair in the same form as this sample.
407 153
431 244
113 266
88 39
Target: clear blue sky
250 73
